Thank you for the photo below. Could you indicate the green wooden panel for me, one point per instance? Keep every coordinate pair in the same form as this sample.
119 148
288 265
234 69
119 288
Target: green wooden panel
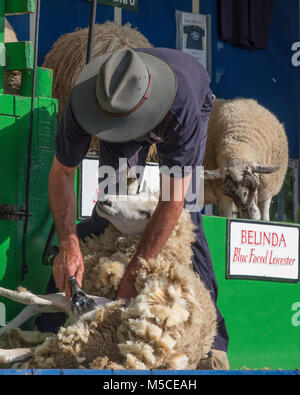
2 9
19 55
126 4
2 21
7 106
14 132
1 80
44 80
19 6
259 314
46 124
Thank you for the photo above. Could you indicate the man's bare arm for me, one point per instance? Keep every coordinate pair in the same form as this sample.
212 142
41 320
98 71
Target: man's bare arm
61 193
156 234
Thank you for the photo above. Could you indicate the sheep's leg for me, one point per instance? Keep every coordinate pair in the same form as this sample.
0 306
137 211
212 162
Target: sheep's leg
26 314
15 355
225 206
265 209
24 297
57 300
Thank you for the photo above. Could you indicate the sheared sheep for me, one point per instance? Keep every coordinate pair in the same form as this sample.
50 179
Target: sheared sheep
171 323
246 158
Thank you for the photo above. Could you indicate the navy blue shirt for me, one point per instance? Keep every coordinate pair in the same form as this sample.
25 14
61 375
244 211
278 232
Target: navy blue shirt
180 138
246 22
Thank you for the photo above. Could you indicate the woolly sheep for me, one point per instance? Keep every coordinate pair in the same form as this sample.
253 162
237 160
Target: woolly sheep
246 158
171 323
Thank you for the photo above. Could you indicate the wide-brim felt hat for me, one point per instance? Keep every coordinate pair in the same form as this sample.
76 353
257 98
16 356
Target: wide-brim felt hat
122 96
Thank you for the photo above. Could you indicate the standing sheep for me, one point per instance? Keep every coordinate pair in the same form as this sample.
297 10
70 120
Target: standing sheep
246 158
171 323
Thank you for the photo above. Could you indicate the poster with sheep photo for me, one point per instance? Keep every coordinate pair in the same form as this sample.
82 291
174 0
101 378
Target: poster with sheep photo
193 35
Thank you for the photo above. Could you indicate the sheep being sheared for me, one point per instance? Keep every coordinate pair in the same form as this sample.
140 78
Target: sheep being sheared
171 323
246 158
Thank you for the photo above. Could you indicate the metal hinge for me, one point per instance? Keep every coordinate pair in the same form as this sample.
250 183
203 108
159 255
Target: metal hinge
14 213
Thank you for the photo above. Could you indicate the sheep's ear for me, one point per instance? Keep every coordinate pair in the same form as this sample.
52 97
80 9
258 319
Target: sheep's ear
264 169
212 174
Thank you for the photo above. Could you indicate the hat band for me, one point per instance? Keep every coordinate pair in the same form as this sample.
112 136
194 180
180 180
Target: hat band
144 98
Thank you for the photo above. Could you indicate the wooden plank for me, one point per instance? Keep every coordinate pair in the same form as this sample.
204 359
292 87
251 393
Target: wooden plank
44 79
2 20
23 106
19 55
2 8
1 80
7 105
19 6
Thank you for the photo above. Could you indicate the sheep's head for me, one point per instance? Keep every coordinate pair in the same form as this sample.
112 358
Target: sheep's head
128 213
240 182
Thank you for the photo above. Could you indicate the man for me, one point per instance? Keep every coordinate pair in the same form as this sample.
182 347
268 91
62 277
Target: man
130 99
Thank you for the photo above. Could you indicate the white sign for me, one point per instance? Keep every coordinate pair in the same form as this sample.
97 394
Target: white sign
264 251
192 35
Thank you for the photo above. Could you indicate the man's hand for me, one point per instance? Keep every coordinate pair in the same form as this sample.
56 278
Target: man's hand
127 288
157 231
62 203
68 263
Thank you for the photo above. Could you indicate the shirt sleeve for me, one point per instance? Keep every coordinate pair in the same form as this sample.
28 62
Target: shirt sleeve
72 142
183 147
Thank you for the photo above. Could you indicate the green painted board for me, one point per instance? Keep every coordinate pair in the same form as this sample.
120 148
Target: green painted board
19 6
1 79
14 130
19 55
7 106
126 4
2 21
44 80
2 28
262 317
2 9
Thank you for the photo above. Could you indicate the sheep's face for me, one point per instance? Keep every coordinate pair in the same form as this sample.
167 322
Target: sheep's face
128 213
240 183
